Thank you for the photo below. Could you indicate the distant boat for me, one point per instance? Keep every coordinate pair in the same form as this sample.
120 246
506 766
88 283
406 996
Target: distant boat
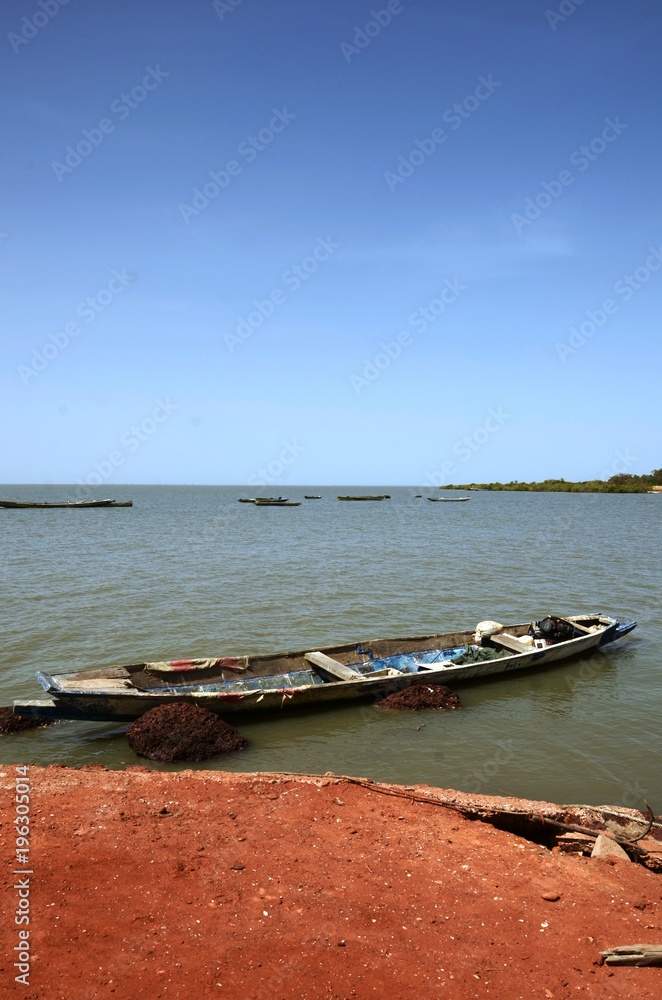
231 684
317 496
448 499
262 499
381 496
26 505
277 503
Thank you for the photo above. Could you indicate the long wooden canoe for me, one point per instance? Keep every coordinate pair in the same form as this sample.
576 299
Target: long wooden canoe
380 496
232 684
277 503
25 505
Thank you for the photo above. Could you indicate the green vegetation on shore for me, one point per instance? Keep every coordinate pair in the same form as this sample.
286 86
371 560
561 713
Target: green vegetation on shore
623 482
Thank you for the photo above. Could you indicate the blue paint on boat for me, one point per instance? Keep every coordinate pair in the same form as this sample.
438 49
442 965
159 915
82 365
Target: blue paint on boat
617 631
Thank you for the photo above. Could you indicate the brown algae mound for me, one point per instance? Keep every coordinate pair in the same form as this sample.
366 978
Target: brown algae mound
182 732
419 696
10 723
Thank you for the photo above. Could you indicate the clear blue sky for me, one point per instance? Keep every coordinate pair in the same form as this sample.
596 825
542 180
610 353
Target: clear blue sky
465 184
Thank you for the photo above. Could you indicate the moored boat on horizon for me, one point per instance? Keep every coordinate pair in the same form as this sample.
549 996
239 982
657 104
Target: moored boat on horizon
277 503
262 499
233 684
28 505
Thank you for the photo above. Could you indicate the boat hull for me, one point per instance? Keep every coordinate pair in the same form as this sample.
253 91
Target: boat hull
73 504
227 698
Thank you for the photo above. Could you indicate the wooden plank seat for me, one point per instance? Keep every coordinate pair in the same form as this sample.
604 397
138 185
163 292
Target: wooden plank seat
579 628
332 666
510 643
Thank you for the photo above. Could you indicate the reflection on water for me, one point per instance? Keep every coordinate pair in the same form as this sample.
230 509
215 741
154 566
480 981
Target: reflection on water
190 572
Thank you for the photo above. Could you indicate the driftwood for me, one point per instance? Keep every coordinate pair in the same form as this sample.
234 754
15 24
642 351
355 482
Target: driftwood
595 833
633 954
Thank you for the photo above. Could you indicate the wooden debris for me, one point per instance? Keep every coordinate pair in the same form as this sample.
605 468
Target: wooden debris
633 954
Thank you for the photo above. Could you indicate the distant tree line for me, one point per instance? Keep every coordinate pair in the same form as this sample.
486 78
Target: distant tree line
623 482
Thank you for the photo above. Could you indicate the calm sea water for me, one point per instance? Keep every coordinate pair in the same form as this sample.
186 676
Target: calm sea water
188 571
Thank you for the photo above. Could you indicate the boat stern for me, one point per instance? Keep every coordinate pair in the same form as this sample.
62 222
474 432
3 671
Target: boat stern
617 631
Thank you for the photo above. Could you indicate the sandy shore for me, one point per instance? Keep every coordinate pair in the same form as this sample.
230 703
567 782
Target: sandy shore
208 884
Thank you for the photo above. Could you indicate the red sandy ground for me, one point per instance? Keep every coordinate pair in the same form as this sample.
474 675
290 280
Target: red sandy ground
208 884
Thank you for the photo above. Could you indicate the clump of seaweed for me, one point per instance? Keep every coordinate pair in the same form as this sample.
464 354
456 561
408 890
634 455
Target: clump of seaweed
10 723
420 696
182 732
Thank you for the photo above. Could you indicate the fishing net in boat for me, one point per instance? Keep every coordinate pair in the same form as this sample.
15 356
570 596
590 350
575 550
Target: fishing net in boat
182 732
475 654
419 696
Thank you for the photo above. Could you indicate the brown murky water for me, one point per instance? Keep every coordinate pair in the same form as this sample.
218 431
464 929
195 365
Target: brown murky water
188 571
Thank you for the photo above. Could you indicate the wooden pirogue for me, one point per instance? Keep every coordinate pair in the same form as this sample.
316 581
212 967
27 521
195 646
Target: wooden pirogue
25 505
232 684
